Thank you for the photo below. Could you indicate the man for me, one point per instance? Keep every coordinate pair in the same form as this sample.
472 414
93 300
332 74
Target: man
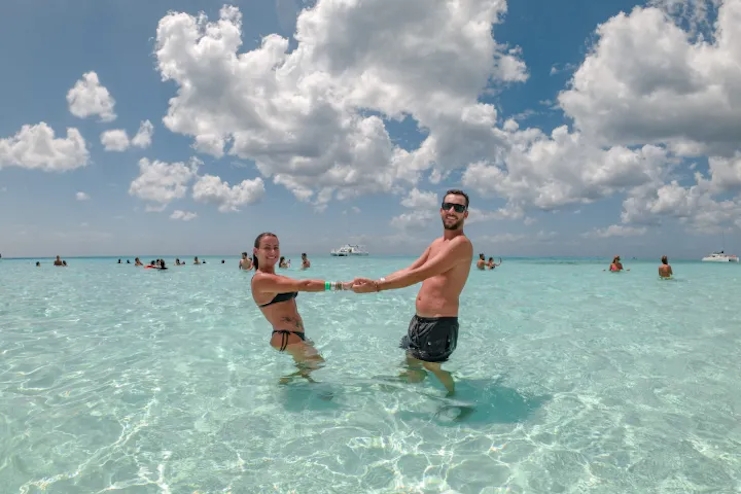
245 263
665 269
481 263
443 270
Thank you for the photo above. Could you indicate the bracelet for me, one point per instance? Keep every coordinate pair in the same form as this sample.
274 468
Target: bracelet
380 280
333 286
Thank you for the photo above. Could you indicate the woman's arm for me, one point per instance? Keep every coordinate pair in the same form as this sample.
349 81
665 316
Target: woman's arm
281 284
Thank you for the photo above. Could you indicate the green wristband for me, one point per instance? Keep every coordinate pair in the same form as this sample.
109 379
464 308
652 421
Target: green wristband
327 286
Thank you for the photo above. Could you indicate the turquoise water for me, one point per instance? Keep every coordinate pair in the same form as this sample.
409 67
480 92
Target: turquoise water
119 379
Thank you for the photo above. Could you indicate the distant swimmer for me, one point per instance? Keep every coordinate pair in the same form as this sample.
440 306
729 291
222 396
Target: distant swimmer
275 295
58 262
616 266
665 269
443 269
491 264
305 262
245 263
481 262
196 261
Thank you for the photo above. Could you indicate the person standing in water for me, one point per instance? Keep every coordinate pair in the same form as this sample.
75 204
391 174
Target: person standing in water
275 295
443 269
665 269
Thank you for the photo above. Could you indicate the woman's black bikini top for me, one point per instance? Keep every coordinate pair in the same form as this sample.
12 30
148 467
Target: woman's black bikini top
281 297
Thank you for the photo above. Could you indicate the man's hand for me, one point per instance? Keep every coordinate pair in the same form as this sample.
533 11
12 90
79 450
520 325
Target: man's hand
363 285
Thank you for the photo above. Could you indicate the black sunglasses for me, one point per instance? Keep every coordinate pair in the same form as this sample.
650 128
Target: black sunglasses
459 208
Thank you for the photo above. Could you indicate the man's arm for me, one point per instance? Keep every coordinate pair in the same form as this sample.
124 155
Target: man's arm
457 251
416 264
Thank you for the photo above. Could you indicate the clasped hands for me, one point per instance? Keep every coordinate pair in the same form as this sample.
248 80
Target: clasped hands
361 285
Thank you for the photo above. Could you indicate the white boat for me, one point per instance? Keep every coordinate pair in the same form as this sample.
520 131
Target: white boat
720 257
349 250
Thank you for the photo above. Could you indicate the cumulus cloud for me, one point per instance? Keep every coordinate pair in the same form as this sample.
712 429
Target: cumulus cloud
183 215
648 81
118 139
212 189
81 196
88 98
616 231
513 238
35 147
312 119
563 169
115 140
160 183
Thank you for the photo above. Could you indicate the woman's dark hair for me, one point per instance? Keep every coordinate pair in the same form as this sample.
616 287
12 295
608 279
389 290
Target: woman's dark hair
257 245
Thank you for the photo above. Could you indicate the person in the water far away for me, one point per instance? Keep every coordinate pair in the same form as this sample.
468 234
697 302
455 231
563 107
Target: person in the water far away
443 269
665 269
275 295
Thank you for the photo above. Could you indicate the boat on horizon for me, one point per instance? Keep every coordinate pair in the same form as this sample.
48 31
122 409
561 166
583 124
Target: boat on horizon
349 250
720 257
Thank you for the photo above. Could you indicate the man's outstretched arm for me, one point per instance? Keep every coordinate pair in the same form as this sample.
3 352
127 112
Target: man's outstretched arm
458 250
416 264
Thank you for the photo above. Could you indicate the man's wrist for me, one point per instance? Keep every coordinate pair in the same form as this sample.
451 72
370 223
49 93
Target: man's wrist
379 283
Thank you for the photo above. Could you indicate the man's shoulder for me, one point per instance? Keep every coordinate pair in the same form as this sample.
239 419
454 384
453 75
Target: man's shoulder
462 240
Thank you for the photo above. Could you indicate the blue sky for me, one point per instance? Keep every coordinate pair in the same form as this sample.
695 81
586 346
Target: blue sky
47 50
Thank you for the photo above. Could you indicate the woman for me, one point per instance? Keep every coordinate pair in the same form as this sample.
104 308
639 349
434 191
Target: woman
491 264
665 269
275 295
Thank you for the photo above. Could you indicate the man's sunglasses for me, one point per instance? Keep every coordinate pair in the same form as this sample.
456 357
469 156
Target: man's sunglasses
459 208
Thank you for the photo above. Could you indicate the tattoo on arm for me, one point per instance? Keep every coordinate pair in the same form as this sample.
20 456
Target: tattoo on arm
294 321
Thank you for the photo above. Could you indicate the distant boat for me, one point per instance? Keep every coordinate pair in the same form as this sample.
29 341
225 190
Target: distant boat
348 250
720 257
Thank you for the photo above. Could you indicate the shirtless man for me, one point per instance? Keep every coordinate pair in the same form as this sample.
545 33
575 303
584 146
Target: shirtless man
665 270
443 270
481 263
245 263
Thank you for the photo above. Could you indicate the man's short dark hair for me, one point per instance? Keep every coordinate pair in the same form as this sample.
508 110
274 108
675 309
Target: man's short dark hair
458 192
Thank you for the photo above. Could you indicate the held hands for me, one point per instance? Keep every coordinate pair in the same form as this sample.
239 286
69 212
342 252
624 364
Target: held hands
364 285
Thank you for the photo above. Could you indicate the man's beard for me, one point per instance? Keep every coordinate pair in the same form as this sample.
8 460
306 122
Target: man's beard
453 226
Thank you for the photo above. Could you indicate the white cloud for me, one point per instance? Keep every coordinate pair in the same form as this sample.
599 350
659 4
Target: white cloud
143 137
479 216
118 139
211 189
424 207
81 196
88 97
35 147
616 231
183 215
417 199
695 206
115 140
513 238
413 220
308 117
161 183
648 81
563 169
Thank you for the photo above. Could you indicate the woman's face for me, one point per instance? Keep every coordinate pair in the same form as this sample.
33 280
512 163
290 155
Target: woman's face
268 251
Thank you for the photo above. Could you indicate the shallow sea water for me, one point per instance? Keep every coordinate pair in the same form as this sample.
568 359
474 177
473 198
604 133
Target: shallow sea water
569 379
